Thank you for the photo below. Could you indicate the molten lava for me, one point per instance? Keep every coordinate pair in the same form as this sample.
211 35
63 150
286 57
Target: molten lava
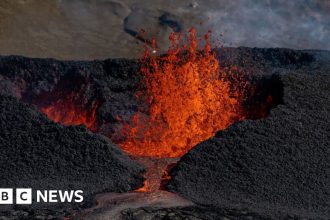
66 111
188 97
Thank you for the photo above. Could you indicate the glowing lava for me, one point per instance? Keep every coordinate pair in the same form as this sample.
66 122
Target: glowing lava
67 112
188 96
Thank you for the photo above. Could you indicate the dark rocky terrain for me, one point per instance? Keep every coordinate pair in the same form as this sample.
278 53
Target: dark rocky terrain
276 167
40 154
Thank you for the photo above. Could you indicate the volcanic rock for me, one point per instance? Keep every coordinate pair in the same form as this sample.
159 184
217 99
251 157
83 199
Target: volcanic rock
279 165
40 154
191 213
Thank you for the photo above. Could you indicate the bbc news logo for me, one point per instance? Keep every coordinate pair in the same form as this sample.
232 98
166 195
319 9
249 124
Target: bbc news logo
24 196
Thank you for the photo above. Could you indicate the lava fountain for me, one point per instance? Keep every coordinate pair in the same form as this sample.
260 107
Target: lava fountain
188 96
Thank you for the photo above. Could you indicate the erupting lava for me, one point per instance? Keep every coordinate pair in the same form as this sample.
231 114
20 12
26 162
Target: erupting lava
188 96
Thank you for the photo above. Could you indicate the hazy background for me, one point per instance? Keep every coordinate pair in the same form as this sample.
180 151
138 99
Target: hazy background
97 29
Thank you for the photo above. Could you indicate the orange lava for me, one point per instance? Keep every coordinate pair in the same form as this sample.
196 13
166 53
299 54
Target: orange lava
67 112
189 98
144 188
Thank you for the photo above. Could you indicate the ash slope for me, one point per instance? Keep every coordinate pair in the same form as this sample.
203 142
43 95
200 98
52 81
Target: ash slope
39 154
277 166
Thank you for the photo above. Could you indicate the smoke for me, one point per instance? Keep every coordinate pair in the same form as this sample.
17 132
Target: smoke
303 24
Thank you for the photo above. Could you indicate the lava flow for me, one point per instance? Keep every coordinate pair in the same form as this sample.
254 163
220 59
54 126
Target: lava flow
189 98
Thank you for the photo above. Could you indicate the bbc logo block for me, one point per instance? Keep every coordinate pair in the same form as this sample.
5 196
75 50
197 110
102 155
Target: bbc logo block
23 196
6 196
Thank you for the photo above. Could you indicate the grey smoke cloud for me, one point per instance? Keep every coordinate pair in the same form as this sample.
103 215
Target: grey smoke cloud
300 24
